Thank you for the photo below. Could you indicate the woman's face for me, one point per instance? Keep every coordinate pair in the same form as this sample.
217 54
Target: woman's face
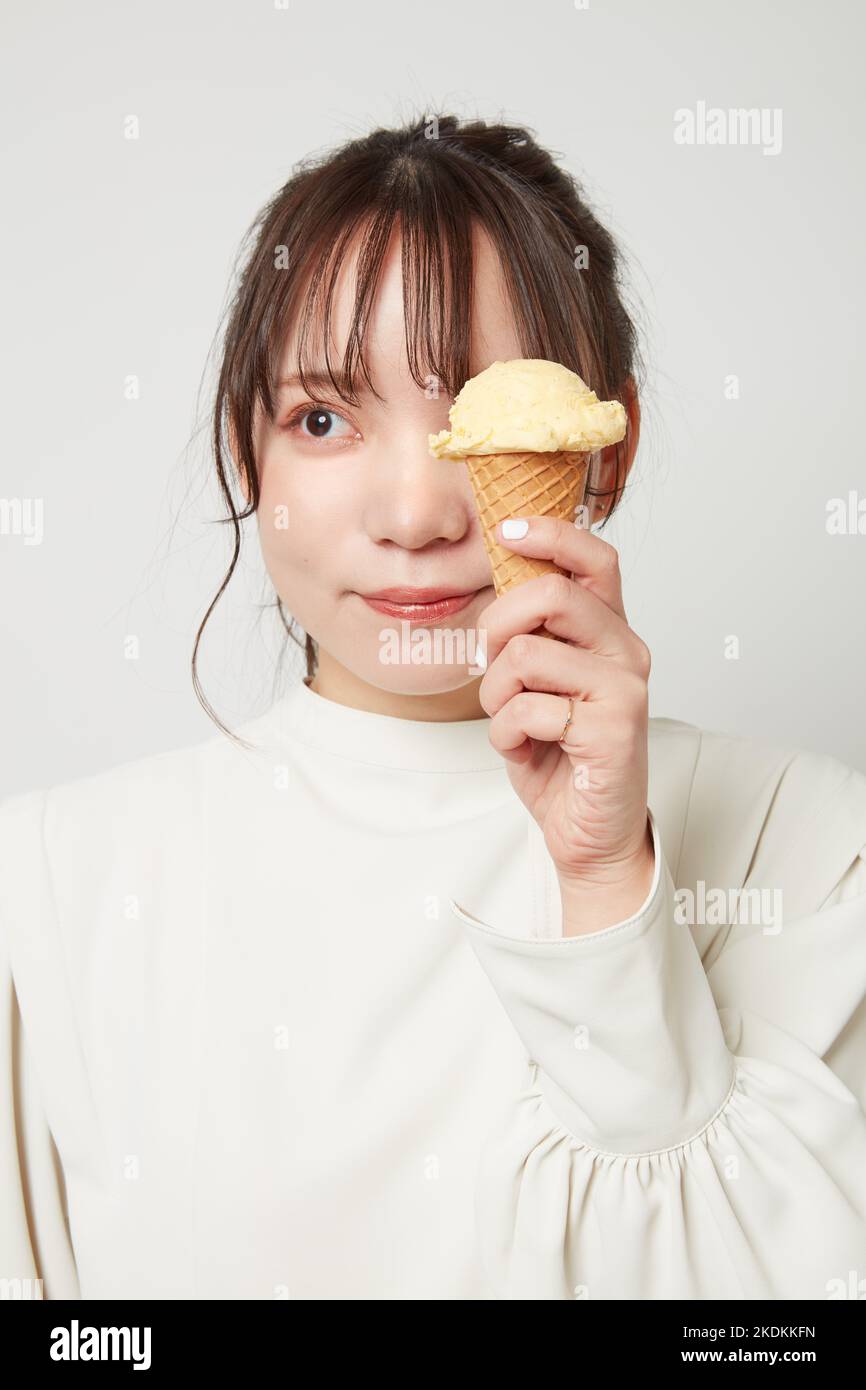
352 503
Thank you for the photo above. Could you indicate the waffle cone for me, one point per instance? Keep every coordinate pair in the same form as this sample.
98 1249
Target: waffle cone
524 485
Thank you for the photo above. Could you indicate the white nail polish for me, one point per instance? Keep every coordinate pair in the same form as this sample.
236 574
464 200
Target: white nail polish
514 528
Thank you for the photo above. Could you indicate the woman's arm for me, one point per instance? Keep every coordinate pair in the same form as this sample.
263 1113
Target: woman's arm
670 1141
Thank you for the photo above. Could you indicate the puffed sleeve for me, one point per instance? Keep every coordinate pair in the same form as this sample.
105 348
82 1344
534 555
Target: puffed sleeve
35 1242
681 1133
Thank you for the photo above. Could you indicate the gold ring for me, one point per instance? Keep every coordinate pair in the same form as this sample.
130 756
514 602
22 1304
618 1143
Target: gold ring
568 720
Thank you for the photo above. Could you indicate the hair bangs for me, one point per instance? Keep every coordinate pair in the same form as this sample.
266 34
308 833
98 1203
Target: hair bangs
435 216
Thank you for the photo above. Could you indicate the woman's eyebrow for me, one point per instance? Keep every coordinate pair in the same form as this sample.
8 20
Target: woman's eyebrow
322 380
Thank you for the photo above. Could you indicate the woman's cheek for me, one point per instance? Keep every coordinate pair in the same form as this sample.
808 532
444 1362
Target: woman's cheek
298 541
288 542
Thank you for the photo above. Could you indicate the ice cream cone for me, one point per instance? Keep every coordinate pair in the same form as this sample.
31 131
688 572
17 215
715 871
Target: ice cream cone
527 484
526 430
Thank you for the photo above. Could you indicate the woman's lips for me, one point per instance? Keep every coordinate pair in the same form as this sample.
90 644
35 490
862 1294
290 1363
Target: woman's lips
420 609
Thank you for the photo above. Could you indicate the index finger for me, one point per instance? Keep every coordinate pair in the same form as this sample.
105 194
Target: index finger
593 561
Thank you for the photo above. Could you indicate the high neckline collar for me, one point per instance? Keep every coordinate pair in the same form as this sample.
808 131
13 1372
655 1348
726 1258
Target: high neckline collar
381 740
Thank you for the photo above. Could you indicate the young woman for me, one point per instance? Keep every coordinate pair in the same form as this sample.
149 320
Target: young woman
435 980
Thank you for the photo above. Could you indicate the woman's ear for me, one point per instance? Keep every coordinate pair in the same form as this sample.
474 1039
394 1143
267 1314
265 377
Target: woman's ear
603 478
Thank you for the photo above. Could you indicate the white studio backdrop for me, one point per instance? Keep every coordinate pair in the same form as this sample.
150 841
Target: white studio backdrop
745 255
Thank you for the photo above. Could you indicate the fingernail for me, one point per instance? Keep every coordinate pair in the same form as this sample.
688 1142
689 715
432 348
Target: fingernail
514 528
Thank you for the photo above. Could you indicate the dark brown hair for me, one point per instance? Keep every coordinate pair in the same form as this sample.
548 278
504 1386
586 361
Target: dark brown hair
436 177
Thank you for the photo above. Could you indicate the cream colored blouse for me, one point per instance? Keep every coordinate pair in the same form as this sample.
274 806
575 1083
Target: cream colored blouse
297 1021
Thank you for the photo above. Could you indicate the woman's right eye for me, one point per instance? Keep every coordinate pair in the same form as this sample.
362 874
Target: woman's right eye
316 422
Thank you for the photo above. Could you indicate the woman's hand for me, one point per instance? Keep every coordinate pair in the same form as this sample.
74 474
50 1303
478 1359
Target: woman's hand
589 793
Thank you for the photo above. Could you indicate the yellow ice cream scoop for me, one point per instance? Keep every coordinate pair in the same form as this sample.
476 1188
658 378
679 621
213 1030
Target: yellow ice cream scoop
528 405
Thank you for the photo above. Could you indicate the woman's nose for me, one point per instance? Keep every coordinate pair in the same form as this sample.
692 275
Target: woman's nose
413 499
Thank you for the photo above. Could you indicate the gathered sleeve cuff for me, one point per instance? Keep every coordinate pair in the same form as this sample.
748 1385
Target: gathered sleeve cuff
621 1022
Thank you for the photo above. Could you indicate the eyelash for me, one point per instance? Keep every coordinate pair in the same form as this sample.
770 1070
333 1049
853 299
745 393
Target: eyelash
310 408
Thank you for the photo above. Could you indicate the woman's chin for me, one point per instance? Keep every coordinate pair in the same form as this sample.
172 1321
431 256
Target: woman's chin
420 680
